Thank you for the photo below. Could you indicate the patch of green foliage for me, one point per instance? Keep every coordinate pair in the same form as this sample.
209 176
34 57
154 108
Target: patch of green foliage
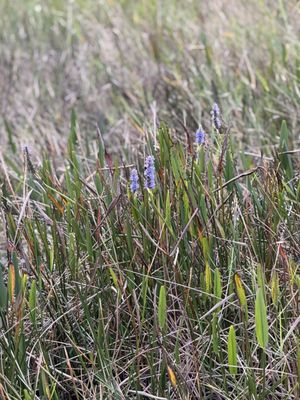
186 291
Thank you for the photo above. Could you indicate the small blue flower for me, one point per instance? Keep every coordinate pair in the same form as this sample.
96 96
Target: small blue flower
216 116
200 137
134 181
149 173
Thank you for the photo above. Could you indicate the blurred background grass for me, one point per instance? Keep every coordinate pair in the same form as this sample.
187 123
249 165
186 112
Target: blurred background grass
122 64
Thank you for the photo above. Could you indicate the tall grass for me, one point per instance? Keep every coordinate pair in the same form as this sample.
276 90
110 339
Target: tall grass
122 63
186 291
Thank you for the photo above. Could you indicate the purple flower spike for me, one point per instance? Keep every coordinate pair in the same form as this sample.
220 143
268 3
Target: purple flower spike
134 181
216 116
149 173
216 109
200 137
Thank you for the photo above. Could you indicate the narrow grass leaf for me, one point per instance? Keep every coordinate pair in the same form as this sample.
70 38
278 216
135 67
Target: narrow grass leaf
32 302
3 290
11 282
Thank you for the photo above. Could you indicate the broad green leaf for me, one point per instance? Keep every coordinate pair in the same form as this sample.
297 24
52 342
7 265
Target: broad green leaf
205 248
27 395
275 288
261 279
217 284
162 308
203 208
232 351
261 323
241 294
208 278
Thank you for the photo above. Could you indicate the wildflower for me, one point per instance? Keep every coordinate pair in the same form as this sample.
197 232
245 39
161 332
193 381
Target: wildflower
134 181
200 137
149 173
216 117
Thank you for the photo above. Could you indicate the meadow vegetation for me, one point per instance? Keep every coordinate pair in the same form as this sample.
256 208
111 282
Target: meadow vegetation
149 241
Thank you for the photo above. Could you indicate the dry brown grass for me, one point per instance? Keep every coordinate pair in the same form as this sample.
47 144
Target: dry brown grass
120 64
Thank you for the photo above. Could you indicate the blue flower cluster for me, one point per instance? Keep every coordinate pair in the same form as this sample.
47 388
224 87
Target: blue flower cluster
200 137
216 117
134 181
149 176
149 173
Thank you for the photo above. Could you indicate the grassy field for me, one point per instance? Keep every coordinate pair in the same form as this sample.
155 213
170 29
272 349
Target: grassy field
150 243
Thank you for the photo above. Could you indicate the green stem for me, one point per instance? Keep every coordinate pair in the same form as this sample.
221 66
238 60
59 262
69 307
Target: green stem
263 365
